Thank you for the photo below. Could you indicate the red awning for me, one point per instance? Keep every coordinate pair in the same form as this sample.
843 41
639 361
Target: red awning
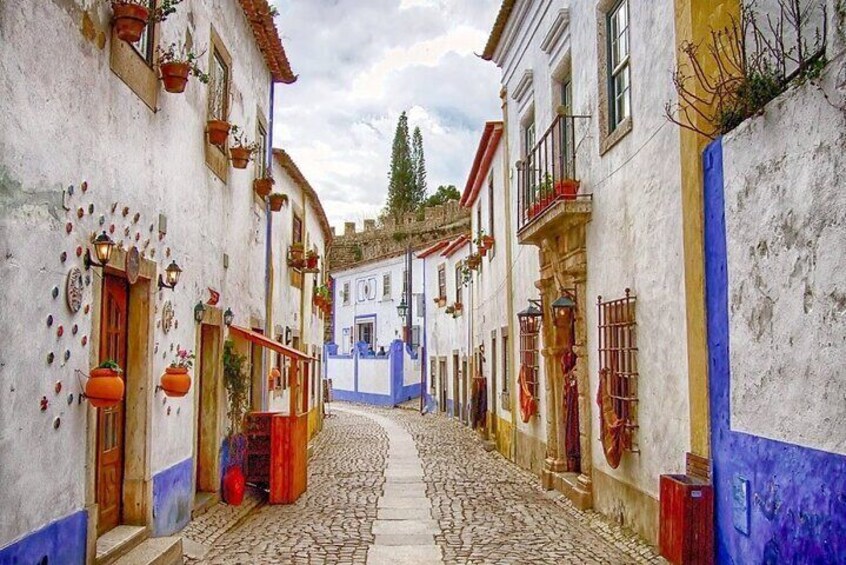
265 341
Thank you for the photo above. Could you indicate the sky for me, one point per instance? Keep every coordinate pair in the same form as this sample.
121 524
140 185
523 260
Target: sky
360 64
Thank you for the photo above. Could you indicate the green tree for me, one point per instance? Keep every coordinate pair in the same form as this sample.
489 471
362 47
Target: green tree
444 193
418 161
401 177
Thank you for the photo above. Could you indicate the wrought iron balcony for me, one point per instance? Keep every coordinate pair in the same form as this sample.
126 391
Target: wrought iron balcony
547 175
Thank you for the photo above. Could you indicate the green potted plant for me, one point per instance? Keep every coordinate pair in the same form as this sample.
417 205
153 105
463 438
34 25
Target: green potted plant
131 17
176 381
311 258
176 63
277 200
242 148
263 186
105 386
236 382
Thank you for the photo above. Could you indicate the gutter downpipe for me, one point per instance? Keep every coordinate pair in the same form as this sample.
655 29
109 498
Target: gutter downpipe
268 252
509 274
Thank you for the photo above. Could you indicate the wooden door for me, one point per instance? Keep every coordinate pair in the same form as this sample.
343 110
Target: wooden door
465 393
110 421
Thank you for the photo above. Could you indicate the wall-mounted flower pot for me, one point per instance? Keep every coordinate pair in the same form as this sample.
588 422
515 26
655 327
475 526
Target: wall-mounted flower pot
277 200
174 76
458 306
218 132
311 261
263 187
129 21
450 309
104 388
567 188
483 251
176 381
240 157
487 241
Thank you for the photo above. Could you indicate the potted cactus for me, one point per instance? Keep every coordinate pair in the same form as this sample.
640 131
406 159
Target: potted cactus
176 63
242 149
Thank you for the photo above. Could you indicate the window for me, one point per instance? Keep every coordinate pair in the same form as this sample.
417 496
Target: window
506 361
405 282
565 92
261 154
297 230
619 77
133 63
365 289
458 284
618 371
442 293
345 294
491 214
145 46
386 286
529 136
364 333
218 87
493 361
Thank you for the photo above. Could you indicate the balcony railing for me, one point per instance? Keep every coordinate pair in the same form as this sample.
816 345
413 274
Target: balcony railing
547 174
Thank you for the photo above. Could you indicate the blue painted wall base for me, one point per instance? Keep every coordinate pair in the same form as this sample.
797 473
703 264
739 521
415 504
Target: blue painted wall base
399 393
61 542
775 502
173 498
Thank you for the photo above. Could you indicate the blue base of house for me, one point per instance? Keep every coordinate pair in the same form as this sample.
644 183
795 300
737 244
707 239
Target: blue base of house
58 543
774 502
173 498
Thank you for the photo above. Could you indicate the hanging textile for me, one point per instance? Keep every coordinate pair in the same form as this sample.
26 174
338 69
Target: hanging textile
612 428
571 412
528 404
480 401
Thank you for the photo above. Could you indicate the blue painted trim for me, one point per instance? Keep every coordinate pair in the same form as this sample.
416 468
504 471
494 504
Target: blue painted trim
797 494
363 397
61 543
173 498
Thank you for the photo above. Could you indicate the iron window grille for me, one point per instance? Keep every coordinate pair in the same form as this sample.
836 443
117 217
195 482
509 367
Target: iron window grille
529 359
618 356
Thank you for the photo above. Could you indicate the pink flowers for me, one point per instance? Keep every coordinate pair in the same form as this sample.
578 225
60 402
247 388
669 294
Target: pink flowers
184 359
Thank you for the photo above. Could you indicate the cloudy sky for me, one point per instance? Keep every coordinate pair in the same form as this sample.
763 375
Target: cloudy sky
362 62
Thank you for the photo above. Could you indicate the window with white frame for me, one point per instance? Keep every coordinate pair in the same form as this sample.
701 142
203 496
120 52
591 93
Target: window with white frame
619 75
345 294
386 286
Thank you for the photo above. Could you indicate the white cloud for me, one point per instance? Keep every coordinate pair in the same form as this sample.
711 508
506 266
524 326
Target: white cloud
361 63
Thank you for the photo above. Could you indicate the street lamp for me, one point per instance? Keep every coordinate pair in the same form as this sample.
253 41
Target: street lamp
530 318
402 309
103 247
228 317
561 307
172 274
199 312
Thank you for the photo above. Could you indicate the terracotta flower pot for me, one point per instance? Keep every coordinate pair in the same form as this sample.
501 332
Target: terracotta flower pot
240 157
311 261
277 201
104 388
218 132
567 188
234 485
176 381
483 251
487 241
174 76
129 21
263 187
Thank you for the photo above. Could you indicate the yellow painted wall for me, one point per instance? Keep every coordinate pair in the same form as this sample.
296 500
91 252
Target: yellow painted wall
694 21
313 422
503 437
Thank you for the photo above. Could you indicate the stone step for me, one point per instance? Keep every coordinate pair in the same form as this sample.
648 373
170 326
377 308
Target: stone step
117 542
155 551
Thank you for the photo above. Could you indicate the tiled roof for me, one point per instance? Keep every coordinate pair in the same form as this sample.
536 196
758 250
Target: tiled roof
481 163
267 38
459 242
291 168
499 26
433 249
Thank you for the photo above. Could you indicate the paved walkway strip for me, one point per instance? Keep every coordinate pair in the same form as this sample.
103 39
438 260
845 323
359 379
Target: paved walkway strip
404 530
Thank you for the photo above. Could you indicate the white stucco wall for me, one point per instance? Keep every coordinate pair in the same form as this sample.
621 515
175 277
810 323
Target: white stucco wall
342 373
374 376
786 244
69 123
635 237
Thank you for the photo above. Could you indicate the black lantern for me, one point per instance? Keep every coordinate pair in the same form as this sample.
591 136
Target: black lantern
103 247
561 307
402 309
199 312
530 319
171 276
228 317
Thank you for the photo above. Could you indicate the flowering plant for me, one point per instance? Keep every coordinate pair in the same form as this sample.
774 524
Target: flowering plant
159 14
184 359
181 53
240 140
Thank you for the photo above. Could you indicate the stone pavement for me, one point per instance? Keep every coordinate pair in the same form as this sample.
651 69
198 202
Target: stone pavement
394 487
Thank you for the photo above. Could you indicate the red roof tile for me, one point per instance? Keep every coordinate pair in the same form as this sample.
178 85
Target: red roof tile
267 38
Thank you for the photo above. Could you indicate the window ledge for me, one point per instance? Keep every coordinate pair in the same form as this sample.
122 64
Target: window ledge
134 71
610 140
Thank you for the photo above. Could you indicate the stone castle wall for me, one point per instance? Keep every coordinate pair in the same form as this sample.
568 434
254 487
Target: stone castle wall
387 237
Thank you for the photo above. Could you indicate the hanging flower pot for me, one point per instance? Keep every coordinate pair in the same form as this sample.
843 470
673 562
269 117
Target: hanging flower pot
176 381
567 188
458 306
277 200
130 20
218 132
240 156
263 186
487 241
450 310
483 251
295 256
234 485
174 76
311 261
105 386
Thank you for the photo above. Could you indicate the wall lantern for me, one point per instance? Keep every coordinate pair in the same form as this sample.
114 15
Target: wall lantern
103 247
199 312
530 318
171 276
561 308
402 309
228 317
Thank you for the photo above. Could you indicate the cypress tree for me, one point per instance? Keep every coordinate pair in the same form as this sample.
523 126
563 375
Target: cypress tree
419 162
401 183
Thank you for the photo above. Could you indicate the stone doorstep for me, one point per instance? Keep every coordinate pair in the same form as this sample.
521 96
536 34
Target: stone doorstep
117 542
194 550
404 555
405 527
155 551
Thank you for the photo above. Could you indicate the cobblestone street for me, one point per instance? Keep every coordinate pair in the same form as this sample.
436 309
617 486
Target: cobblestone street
390 486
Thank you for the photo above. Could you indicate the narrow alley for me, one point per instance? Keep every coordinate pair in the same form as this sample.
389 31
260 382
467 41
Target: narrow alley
391 486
